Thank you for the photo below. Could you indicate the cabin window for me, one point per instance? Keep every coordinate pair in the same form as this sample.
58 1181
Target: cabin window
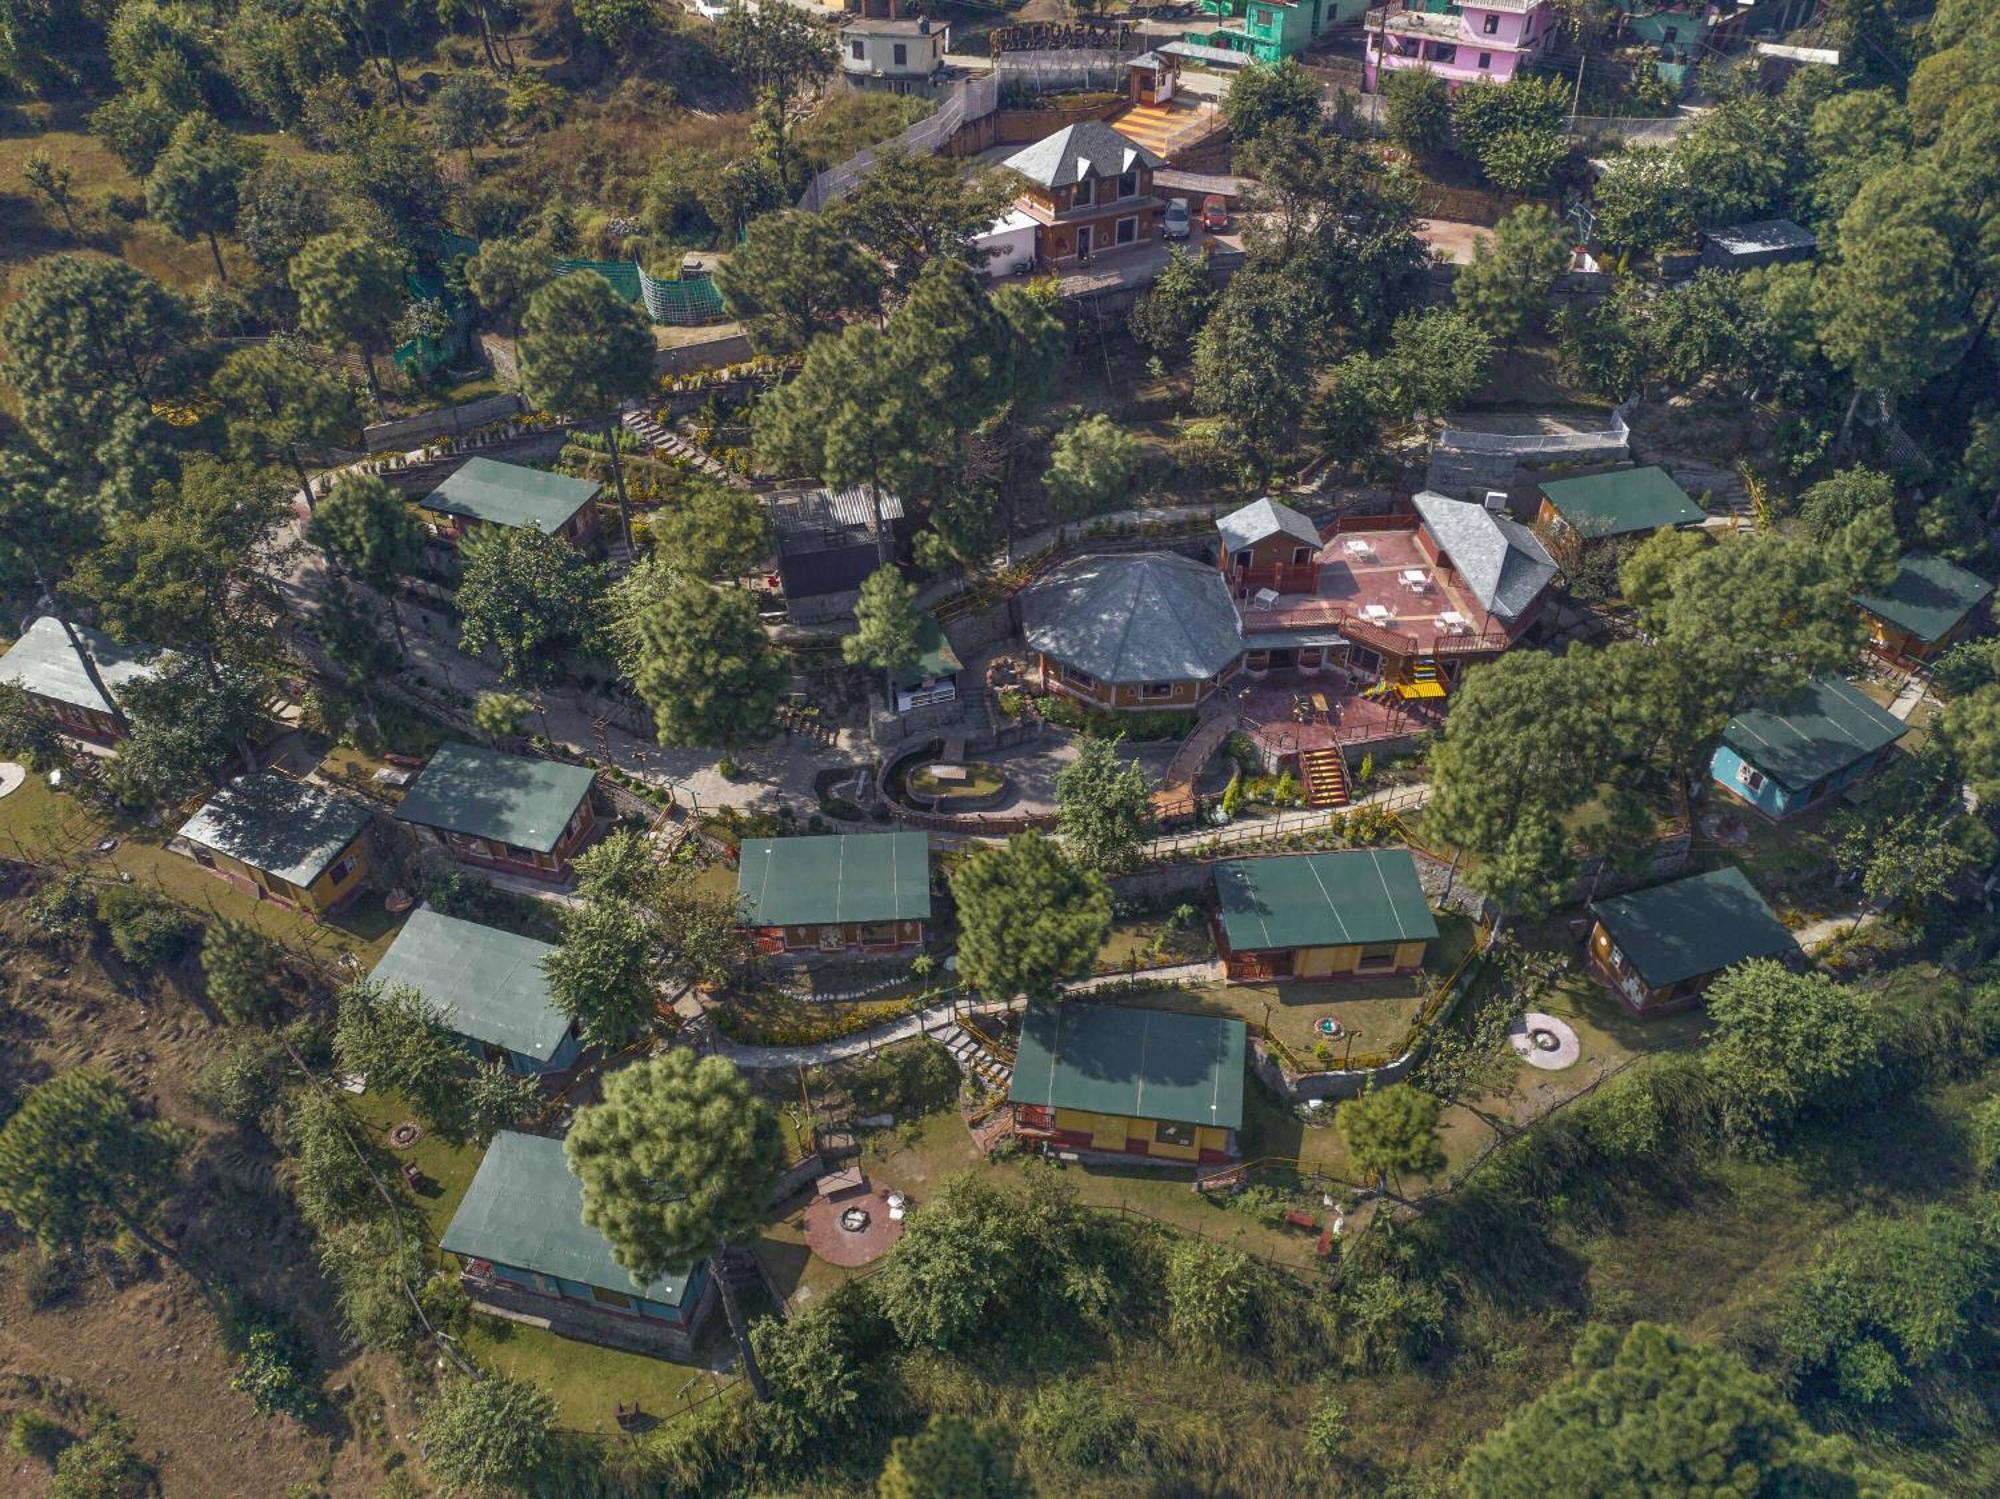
1079 679
1376 956
1084 196
1750 776
1157 690
1301 556
1128 231
878 931
342 868
832 939
1617 957
1173 1134
1243 558
610 1298
204 858
1492 27
856 51
902 54
1128 185
1485 60
1443 52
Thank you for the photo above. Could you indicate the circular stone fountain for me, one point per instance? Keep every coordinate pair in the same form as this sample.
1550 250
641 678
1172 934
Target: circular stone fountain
1544 1041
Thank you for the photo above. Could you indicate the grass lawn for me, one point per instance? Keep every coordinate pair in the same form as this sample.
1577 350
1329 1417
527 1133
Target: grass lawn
1152 941
980 779
47 827
1377 1013
587 1380
448 1169
916 1158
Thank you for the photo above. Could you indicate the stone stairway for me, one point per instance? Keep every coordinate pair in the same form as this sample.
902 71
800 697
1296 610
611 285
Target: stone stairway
976 1061
1727 495
650 432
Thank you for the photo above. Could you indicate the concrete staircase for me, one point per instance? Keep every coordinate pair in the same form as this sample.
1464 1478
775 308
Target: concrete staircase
1325 774
660 440
1165 128
978 1058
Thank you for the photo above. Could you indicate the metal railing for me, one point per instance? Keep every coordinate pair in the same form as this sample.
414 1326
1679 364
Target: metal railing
970 99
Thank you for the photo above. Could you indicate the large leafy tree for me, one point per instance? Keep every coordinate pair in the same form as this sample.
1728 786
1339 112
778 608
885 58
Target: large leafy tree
195 186
1253 362
1783 1044
708 529
1169 315
1653 1413
87 346
391 172
795 276
952 1459
467 110
1030 918
1091 463
912 210
181 574
279 405
696 655
46 527
1505 289
52 45
487 1434
505 274
1261 96
185 723
527 597
1389 1131
585 352
602 972
402 1042
781 52
77 1163
1526 740
365 527
351 292
888 629
1104 810
676 1163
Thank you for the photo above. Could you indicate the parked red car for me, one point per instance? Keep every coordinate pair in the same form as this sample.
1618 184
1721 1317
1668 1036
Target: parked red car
1214 213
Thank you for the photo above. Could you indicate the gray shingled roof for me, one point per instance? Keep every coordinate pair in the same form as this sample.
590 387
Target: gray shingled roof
1062 159
283 827
1501 560
1142 617
1761 236
43 662
1265 518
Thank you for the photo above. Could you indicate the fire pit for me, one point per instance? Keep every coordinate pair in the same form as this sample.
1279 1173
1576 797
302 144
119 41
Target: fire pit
406 1134
1328 1026
1545 1042
855 1220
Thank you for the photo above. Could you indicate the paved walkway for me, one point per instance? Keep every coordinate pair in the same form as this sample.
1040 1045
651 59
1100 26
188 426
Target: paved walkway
1817 933
937 1018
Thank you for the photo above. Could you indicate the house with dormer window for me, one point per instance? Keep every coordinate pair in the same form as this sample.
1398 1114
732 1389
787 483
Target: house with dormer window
1089 190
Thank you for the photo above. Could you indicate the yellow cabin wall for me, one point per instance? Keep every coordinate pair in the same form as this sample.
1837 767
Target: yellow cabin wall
1113 1132
1326 962
322 893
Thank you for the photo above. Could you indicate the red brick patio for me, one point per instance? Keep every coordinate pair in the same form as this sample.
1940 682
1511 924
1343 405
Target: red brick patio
836 1245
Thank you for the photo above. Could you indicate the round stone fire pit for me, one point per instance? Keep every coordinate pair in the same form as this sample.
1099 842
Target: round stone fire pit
406 1134
1544 1041
854 1221
855 1229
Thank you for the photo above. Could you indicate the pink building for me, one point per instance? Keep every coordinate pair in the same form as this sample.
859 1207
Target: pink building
1464 43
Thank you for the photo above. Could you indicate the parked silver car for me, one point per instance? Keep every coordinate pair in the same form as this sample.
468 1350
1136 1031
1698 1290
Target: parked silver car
1178 217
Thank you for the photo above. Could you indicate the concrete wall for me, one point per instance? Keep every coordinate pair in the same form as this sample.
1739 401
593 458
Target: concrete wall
728 346
409 431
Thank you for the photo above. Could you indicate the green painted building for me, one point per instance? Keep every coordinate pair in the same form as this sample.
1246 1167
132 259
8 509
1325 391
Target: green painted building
1159 1084
1268 30
869 892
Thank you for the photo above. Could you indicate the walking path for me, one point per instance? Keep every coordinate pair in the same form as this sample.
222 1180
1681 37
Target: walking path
1906 700
933 1020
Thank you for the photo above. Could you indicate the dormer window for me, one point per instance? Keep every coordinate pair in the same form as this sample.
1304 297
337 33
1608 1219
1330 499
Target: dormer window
1084 196
1128 185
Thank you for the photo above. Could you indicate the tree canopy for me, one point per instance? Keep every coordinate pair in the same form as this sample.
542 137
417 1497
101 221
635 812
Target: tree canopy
1030 917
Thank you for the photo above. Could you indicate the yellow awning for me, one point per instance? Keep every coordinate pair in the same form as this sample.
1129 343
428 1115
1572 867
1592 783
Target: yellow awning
1419 689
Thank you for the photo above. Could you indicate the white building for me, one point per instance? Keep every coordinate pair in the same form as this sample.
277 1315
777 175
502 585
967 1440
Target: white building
901 56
